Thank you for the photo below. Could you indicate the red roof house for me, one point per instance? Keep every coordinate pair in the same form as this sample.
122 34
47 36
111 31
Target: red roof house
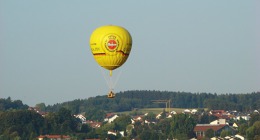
200 129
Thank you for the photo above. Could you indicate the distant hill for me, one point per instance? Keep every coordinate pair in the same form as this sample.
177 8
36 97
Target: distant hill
128 100
7 104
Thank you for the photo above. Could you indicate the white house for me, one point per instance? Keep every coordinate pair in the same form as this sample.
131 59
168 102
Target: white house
81 117
219 121
169 116
173 112
115 133
240 137
145 121
132 121
112 133
247 117
122 133
94 124
234 125
158 116
186 111
138 118
194 111
110 117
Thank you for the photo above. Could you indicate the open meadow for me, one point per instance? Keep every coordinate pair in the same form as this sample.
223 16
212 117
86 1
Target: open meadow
153 110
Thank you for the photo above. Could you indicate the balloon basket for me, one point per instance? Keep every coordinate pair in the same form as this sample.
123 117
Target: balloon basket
111 94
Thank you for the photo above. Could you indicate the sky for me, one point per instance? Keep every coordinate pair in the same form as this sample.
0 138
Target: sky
178 45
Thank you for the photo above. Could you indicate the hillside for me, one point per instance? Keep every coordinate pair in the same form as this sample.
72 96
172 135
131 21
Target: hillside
128 100
138 99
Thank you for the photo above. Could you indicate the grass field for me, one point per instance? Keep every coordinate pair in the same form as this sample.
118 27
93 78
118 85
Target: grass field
147 110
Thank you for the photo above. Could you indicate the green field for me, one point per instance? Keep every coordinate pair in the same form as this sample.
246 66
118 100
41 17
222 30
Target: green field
147 110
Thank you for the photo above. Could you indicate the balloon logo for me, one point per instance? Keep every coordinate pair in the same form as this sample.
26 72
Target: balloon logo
112 44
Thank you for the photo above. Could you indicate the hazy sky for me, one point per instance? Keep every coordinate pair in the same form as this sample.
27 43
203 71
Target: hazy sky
178 45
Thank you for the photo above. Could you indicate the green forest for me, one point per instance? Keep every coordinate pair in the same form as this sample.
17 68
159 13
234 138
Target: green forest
19 123
128 100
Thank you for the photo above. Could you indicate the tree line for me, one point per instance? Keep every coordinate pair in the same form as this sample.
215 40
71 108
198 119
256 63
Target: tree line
128 100
26 124
7 104
95 107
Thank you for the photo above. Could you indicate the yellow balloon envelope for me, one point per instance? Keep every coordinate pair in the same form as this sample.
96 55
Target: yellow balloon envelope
110 46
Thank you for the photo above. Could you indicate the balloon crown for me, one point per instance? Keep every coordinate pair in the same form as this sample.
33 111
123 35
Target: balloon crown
111 37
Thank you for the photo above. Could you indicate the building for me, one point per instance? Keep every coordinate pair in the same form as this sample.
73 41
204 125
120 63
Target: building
186 111
115 133
173 112
37 110
81 117
194 111
137 118
219 121
245 117
200 129
221 114
111 132
158 116
94 124
110 117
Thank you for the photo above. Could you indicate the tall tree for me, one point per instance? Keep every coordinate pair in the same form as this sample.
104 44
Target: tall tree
183 124
121 122
20 123
41 106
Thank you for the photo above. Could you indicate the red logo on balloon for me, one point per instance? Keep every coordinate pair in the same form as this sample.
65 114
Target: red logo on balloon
111 44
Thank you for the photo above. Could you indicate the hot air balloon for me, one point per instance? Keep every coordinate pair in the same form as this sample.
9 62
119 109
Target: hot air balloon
110 46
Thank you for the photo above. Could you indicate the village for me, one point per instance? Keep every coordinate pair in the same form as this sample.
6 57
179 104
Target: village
225 121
